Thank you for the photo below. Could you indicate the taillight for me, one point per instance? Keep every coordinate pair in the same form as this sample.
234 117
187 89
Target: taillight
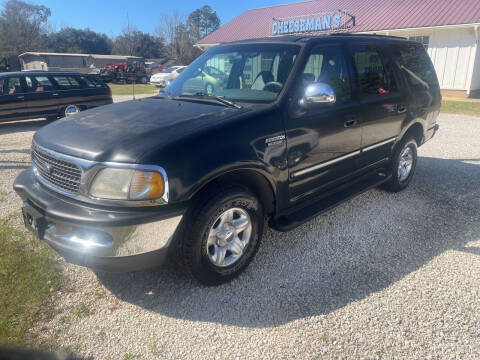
109 91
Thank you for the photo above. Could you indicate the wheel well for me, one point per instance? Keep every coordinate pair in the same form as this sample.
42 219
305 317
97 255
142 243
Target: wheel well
415 131
253 180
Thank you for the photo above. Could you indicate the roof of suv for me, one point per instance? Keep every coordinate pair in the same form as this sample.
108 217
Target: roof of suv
307 38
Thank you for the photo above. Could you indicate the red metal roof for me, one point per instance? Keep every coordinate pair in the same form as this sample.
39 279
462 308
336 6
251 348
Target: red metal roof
370 15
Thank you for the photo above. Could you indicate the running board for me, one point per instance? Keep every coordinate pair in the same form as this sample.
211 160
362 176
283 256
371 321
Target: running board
341 194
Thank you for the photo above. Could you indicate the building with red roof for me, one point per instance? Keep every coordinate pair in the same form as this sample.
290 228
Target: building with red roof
449 29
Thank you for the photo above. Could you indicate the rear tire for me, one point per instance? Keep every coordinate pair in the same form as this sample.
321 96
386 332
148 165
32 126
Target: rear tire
403 165
222 235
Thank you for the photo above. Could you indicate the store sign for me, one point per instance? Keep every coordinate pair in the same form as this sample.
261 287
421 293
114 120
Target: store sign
321 22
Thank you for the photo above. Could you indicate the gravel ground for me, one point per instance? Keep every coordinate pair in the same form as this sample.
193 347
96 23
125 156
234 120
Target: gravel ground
381 276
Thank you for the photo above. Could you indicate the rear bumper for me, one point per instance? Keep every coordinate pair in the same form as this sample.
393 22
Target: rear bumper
124 239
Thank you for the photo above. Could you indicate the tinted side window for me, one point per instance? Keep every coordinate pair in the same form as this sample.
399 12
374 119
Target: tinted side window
326 64
66 82
2 86
90 82
374 76
413 60
14 85
38 83
96 80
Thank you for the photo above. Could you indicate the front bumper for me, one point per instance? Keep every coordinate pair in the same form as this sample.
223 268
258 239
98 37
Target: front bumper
123 239
158 83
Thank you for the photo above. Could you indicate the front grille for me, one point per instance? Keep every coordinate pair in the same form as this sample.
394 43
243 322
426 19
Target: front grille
61 174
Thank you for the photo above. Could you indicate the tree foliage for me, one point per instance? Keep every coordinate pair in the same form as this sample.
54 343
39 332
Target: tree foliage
84 41
23 27
183 33
202 22
137 43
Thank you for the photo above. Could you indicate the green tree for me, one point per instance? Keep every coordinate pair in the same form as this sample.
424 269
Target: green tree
202 22
183 33
83 41
137 43
22 27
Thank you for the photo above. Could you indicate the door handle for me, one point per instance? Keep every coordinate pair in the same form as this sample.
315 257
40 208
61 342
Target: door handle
21 97
55 94
350 123
401 109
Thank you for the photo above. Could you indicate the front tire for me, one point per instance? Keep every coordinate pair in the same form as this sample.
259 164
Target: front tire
403 165
222 235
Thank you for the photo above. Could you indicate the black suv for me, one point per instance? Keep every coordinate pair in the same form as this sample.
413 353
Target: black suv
39 94
299 125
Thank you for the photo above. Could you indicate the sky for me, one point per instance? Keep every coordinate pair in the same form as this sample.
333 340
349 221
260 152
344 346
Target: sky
110 16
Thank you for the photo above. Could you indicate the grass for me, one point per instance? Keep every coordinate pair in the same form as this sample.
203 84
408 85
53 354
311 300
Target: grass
118 89
28 277
461 107
80 311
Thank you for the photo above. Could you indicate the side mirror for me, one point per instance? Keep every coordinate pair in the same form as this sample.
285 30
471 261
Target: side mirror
318 93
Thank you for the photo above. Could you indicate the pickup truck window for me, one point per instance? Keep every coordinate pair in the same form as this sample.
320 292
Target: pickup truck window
244 73
326 64
374 76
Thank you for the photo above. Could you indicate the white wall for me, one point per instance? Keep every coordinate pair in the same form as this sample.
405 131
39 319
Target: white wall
453 54
476 71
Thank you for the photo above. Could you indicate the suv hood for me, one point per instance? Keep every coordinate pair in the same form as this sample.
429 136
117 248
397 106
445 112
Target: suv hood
123 132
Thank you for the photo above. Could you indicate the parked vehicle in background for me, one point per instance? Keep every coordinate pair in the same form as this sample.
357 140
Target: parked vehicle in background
300 125
125 73
95 71
207 80
160 79
39 94
153 68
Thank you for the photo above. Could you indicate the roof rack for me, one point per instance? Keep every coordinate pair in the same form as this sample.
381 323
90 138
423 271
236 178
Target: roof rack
372 35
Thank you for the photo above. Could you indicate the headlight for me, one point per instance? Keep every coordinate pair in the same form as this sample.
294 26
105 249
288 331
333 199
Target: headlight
128 184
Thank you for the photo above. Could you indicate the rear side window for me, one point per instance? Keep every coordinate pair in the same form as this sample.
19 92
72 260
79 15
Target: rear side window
2 85
38 83
374 75
91 82
66 82
415 63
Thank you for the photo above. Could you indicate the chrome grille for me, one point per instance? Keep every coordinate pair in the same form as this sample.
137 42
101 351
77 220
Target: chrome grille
61 174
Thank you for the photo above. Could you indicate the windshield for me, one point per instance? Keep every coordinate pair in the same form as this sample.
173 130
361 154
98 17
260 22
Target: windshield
244 73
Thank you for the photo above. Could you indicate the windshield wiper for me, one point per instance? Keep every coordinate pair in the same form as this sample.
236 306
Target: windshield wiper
220 99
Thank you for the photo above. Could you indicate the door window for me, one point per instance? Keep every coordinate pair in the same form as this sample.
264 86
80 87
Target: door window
374 76
326 64
14 86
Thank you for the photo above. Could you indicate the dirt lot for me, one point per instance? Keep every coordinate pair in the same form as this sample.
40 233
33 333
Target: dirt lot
382 276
